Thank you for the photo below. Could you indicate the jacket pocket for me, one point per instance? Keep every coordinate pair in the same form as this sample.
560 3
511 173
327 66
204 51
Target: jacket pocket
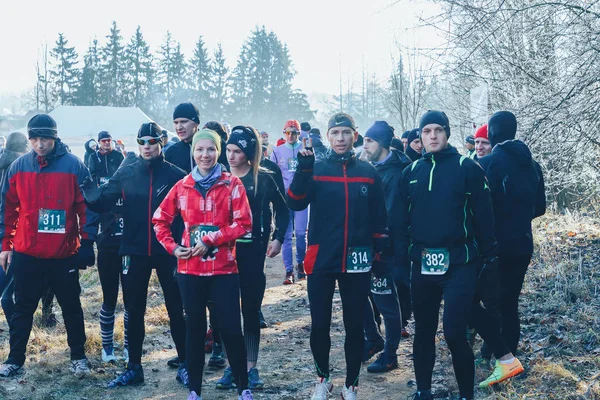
310 258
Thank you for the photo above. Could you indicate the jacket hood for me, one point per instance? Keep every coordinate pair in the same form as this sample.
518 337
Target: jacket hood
397 159
7 158
413 155
88 149
502 126
516 149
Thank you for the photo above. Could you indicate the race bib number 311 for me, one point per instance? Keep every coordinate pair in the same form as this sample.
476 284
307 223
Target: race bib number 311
359 259
435 261
51 221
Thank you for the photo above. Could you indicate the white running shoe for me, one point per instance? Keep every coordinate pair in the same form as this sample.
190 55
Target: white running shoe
108 356
350 393
323 389
80 368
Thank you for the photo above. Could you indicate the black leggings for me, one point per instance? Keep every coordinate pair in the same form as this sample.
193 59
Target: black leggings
457 287
135 290
512 270
224 292
354 291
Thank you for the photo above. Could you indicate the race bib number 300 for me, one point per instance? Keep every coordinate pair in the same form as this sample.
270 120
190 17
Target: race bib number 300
359 259
435 261
51 221
197 232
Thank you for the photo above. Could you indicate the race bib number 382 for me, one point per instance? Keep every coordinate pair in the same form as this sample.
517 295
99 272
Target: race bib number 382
51 221
435 261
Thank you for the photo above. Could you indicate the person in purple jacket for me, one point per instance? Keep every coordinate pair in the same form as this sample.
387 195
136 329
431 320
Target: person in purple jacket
286 157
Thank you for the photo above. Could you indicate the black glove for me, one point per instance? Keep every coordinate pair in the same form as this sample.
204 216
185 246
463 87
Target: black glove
85 257
306 163
89 189
489 269
379 267
210 253
488 284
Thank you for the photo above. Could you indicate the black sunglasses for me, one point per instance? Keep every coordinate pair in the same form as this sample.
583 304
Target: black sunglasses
143 142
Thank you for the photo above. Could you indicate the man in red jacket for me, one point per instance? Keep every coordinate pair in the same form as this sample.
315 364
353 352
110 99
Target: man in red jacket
46 236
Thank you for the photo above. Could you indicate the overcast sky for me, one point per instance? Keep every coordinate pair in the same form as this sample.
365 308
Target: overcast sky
320 33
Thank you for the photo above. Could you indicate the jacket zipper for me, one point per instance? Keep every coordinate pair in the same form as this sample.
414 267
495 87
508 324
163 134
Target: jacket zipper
150 217
431 173
345 259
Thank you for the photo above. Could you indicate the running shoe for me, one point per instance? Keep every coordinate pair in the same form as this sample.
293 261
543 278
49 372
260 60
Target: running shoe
80 368
383 363
133 375
289 278
425 395
108 354
246 395
226 382
372 348
503 372
350 393
194 396
254 381
173 362
323 389
301 273
217 358
10 370
182 375
261 318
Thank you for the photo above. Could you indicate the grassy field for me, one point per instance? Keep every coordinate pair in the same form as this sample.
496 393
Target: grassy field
560 347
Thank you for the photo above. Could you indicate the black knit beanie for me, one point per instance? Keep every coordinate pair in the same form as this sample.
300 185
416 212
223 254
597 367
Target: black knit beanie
502 126
435 117
187 110
42 125
245 138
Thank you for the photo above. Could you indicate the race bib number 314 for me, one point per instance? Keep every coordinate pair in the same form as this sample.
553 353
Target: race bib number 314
359 259
435 261
51 221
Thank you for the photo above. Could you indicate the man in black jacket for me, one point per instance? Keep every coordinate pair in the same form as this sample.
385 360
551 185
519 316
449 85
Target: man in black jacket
390 165
446 227
105 161
186 118
143 183
348 225
518 196
414 148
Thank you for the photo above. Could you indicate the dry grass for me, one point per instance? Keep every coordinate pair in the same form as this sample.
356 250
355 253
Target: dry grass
560 342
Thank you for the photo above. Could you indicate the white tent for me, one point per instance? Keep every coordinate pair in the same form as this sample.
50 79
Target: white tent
78 124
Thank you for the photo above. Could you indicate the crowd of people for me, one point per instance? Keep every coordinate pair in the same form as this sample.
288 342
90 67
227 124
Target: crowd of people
396 223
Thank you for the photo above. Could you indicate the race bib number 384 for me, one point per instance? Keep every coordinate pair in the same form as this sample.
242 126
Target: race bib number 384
51 221
435 261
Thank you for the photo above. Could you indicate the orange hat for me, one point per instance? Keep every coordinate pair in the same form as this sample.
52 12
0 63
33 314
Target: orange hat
482 132
292 123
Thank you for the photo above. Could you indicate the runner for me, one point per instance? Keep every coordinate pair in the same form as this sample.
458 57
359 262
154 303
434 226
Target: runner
444 215
305 130
342 192
244 154
518 196
207 269
222 132
414 148
404 139
470 146
142 183
264 138
186 119
90 149
286 158
482 143
317 141
46 237
390 165
103 166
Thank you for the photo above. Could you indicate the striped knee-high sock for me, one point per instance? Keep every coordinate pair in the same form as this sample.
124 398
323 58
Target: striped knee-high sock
125 325
107 325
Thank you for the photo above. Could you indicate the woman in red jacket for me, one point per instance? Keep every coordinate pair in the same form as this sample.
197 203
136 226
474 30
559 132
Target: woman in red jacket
215 211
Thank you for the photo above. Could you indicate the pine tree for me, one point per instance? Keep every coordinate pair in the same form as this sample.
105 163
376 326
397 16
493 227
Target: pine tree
43 85
219 83
112 69
64 72
171 69
200 76
139 72
88 89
